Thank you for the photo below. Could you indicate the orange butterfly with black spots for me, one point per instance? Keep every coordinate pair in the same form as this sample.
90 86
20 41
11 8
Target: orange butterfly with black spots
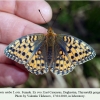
59 53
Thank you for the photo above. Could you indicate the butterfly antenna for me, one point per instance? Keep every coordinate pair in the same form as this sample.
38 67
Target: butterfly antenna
56 16
43 17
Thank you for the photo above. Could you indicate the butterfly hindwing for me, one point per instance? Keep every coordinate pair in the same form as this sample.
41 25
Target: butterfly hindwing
22 49
62 64
38 63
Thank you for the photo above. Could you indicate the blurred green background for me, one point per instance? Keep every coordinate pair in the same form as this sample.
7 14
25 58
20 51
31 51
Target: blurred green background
80 19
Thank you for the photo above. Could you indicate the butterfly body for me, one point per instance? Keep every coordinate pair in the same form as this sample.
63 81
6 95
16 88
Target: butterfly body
59 53
50 42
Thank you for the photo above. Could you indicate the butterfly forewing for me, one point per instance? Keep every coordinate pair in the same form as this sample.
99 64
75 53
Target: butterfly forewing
22 49
77 50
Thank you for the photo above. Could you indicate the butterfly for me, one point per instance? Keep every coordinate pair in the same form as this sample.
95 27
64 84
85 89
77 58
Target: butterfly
59 53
